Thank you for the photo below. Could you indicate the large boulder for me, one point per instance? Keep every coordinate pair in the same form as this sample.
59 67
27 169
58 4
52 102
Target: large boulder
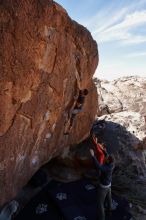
45 59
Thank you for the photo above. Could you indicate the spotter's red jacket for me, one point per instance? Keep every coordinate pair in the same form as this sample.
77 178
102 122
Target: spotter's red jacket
99 153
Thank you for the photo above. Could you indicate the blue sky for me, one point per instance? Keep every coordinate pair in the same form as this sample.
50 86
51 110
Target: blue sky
119 27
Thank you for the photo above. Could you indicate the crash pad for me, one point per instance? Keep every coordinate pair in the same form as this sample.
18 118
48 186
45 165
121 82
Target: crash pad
40 207
71 201
78 201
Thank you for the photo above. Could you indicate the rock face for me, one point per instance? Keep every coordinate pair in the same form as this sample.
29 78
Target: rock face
45 59
124 94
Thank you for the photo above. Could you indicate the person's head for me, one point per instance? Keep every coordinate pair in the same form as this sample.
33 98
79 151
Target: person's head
85 91
109 159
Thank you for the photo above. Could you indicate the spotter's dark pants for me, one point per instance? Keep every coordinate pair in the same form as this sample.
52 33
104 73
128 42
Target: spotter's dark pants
103 195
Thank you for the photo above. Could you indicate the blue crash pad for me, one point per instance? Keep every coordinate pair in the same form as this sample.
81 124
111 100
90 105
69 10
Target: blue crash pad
70 201
78 201
40 207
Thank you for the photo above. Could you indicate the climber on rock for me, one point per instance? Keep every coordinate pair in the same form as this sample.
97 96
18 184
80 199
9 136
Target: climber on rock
78 107
104 187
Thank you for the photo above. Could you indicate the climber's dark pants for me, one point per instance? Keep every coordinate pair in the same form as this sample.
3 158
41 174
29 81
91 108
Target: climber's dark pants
73 115
72 119
103 195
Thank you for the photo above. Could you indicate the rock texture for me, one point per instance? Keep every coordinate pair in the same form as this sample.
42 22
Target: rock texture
45 59
122 105
124 94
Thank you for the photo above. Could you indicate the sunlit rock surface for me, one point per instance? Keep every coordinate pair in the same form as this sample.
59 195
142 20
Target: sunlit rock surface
45 59
123 94
122 104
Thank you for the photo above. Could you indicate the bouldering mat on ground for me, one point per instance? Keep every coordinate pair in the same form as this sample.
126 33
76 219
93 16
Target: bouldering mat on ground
78 201
70 201
40 207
